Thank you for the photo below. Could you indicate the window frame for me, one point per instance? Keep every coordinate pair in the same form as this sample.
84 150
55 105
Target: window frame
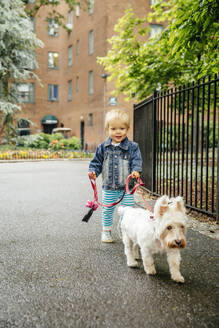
52 24
91 83
91 7
53 53
70 90
70 56
51 90
71 18
90 119
30 94
91 42
152 34
77 84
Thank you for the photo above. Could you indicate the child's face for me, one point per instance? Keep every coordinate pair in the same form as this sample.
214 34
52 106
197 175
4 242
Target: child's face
117 131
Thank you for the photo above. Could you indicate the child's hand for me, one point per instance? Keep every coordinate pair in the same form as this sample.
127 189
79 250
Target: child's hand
92 175
135 175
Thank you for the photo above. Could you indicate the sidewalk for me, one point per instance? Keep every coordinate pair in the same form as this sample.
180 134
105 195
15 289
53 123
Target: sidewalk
55 272
207 228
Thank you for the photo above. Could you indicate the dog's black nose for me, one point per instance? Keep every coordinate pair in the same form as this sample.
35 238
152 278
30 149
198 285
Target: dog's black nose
178 242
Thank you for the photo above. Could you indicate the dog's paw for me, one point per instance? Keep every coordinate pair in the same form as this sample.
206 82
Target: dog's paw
150 270
178 278
132 264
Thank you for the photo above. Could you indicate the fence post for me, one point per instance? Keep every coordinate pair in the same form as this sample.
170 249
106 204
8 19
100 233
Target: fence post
217 196
154 141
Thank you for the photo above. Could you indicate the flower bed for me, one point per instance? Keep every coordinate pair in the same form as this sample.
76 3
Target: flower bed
41 154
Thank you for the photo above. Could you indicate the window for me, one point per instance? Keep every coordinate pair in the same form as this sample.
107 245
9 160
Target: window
53 92
77 11
70 56
155 29
28 60
70 20
69 90
91 42
90 119
77 47
153 2
77 84
53 27
91 7
25 92
91 91
53 60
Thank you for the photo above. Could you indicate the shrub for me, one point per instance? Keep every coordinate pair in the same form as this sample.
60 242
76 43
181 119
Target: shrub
55 136
48 141
30 141
72 143
45 136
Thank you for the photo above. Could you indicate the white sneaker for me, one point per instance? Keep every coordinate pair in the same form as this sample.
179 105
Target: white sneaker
106 237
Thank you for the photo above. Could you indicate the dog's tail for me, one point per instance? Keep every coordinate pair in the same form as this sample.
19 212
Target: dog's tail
121 210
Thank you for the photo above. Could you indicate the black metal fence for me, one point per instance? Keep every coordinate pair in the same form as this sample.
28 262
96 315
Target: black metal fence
177 131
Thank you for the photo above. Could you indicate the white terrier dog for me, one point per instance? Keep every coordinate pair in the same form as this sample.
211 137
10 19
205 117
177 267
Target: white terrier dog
163 232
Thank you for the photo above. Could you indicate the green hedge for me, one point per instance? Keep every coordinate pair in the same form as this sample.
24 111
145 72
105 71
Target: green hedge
48 141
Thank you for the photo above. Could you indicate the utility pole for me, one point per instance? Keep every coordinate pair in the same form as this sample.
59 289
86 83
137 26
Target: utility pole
104 77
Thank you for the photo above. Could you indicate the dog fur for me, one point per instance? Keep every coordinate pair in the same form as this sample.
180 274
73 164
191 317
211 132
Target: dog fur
164 232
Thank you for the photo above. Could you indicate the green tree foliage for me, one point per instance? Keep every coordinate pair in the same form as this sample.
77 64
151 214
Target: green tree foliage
17 44
186 50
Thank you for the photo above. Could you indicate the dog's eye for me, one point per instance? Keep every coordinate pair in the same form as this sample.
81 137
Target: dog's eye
182 226
169 227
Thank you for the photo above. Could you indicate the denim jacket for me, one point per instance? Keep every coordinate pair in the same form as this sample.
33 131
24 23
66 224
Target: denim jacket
116 162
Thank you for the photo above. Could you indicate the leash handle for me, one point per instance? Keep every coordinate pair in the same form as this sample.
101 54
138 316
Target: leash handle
126 190
140 183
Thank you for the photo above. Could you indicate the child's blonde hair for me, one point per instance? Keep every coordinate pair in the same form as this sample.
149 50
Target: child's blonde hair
117 114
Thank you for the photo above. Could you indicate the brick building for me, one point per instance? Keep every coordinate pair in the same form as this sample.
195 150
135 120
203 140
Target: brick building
74 90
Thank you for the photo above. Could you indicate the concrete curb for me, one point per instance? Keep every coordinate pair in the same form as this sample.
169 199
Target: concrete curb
41 159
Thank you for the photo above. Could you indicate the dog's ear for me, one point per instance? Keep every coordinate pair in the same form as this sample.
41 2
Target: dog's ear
161 206
180 204
162 209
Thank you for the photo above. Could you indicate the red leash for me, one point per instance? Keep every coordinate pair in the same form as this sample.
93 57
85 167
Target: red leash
93 205
148 206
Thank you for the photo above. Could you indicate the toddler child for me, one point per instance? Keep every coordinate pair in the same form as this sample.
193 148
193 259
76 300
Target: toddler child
116 158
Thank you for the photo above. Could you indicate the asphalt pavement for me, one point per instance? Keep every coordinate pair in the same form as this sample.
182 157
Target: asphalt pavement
54 271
